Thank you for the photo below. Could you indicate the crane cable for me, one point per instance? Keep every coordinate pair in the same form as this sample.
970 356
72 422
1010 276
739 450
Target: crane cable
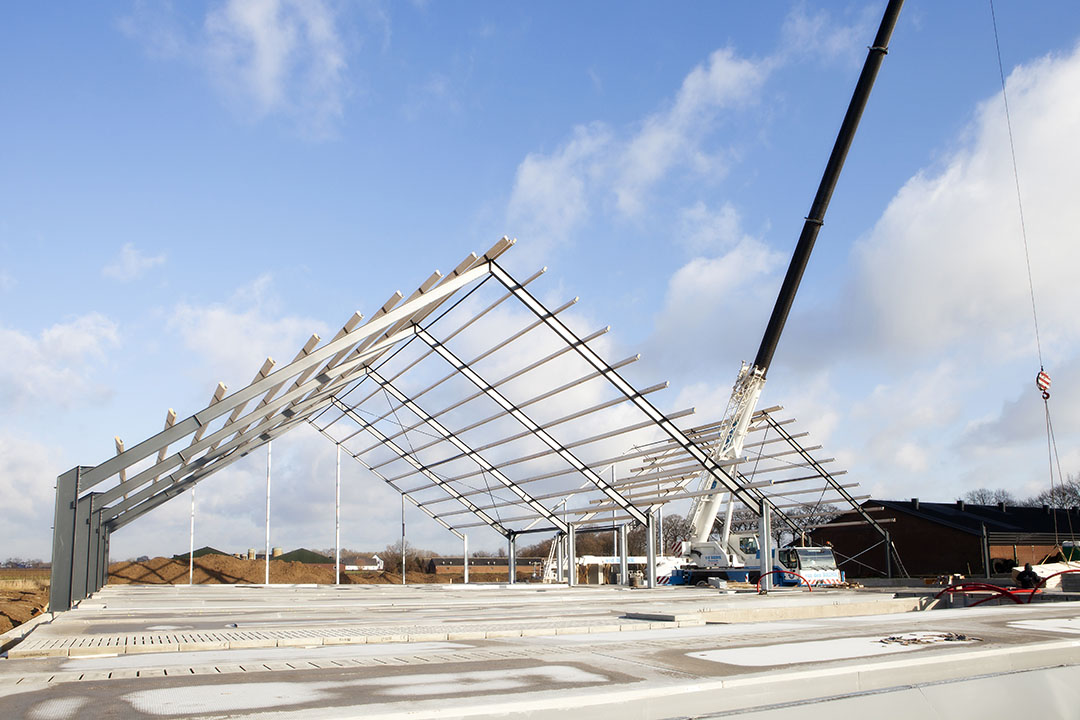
1042 379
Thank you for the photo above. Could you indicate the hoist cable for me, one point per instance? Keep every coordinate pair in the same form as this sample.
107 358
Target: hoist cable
1016 178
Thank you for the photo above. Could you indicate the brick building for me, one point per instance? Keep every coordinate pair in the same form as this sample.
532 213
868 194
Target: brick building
945 538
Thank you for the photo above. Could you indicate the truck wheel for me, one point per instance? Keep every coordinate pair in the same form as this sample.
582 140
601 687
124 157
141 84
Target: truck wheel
753 577
702 583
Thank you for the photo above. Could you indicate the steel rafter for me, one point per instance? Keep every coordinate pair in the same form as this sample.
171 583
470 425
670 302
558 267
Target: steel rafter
534 428
421 468
628 390
464 448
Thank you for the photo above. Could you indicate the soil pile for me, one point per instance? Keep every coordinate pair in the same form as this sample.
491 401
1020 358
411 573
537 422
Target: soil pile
21 600
227 569
224 569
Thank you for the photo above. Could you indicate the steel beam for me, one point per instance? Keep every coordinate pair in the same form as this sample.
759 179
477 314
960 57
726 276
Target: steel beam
535 429
464 448
421 468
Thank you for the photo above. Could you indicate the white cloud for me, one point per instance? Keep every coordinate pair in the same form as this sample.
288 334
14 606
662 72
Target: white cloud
233 338
944 267
674 136
555 193
28 470
551 192
268 57
131 264
715 305
929 349
820 34
280 56
705 230
57 365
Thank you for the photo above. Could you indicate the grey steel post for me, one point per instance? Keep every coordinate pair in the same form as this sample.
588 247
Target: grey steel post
650 550
104 579
571 556
80 555
191 543
985 552
93 550
67 491
660 530
560 567
888 555
267 580
337 516
402 538
624 562
765 547
465 555
511 558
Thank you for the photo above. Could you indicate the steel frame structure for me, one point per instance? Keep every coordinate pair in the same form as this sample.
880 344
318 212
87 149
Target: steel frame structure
537 416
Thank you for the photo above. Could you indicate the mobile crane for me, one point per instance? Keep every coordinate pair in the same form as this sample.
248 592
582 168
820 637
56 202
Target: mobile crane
738 556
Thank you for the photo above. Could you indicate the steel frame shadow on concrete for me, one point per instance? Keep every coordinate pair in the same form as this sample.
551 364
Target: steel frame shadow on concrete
532 417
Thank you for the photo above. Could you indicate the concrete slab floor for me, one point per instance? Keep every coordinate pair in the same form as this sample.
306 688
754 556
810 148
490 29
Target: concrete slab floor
545 651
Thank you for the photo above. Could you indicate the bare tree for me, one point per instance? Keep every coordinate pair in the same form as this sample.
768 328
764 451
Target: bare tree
1063 495
985 496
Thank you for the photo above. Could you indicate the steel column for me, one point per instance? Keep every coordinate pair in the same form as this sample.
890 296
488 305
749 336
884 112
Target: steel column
765 547
624 562
511 558
80 550
67 492
650 551
571 556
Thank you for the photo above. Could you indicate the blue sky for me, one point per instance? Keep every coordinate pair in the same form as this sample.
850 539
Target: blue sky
188 188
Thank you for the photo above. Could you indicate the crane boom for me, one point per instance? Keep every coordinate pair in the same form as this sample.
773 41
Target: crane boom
751 379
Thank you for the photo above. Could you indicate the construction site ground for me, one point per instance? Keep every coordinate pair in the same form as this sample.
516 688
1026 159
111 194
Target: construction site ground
530 650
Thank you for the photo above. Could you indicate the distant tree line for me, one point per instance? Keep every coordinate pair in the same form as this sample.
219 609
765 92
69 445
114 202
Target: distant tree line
1065 494
16 562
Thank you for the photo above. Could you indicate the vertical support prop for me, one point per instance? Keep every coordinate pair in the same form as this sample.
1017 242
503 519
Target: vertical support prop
985 552
650 551
104 578
337 516
765 547
93 548
402 538
67 492
465 555
560 565
268 458
80 550
191 543
624 560
511 558
571 556
888 554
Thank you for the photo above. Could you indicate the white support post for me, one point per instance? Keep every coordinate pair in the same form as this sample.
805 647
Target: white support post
465 555
571 556
267 579
624 562
191 543
511 558
765 547
402 538
337 516
650 551
660 529
560 566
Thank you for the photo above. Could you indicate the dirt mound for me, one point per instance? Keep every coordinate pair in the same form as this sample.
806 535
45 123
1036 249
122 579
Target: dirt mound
220 569
18 606
227 569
